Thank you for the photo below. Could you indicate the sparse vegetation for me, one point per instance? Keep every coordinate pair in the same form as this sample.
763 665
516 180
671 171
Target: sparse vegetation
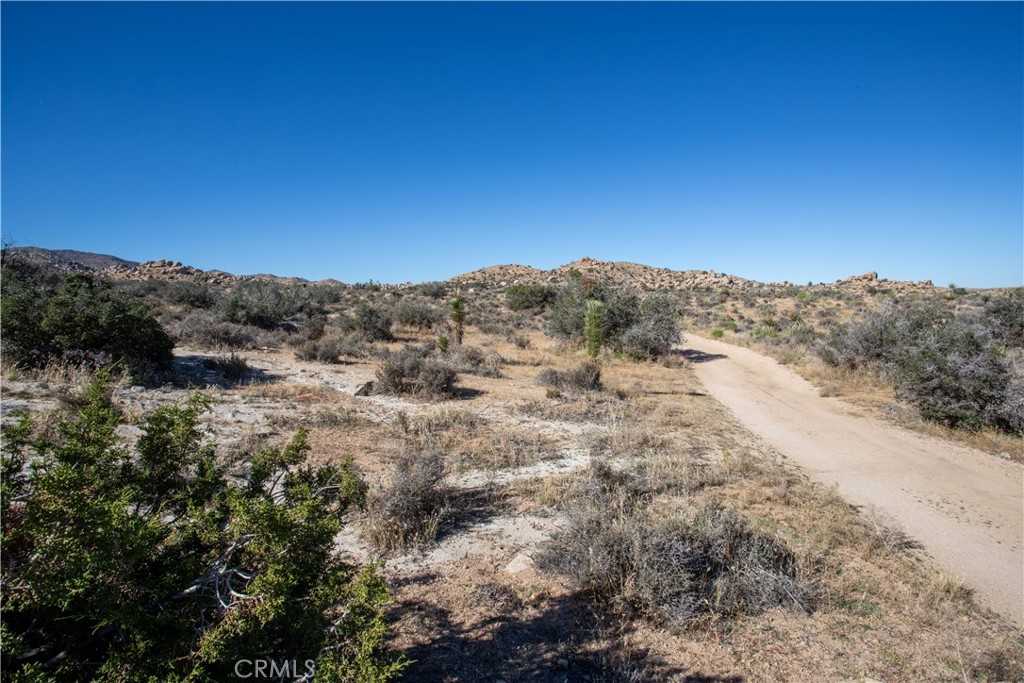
413 507
673 569
233 368
584 377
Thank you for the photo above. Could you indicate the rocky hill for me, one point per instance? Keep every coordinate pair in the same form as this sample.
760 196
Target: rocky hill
69 260
652 278
620 273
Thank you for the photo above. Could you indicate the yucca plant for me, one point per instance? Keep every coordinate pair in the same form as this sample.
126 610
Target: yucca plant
593 327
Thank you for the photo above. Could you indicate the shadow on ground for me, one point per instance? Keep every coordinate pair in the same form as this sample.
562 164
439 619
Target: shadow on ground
695 356
559 640
201 371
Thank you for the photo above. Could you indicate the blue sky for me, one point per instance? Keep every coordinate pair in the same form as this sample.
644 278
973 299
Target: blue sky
391 141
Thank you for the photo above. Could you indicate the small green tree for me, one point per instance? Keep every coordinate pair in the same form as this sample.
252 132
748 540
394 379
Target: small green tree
149 564
81 319
593 327
458 317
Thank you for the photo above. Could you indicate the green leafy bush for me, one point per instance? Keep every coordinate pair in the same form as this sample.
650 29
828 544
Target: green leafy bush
148 564
641 328
529 296
268 305
416 314
80 319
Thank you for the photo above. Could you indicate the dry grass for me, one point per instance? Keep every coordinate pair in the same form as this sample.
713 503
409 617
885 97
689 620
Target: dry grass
471 442
301 393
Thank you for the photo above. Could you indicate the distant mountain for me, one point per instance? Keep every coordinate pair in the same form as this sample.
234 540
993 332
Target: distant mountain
70 260
622 273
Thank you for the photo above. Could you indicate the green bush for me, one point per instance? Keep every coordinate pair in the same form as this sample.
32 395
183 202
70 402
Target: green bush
206 330
655 330
150 564
955 370
529 296
416 314
566 318
372 323
593 327
268 305
640 328
83 320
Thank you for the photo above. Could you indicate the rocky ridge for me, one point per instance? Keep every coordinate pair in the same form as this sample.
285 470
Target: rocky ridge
652 278
620 273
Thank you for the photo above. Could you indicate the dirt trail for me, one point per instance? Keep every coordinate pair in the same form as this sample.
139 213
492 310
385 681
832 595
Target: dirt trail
964 506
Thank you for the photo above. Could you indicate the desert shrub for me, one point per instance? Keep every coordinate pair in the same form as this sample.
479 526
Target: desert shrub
412 508
951 368
880 337
205 330
267 305
584 377
81 319
954 375
529 296
650 324
670 570
323 350
416 314
233 368
373 323
332 347
432 290
1006 316
655 331
192 294
414 371
717 333
473 361
520 341
148 563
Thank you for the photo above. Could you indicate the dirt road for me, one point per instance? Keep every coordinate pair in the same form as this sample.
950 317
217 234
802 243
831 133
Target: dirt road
965 507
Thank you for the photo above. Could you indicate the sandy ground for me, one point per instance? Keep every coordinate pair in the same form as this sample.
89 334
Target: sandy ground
963 506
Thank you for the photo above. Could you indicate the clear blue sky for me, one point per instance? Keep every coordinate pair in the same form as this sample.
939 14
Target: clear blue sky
390 141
